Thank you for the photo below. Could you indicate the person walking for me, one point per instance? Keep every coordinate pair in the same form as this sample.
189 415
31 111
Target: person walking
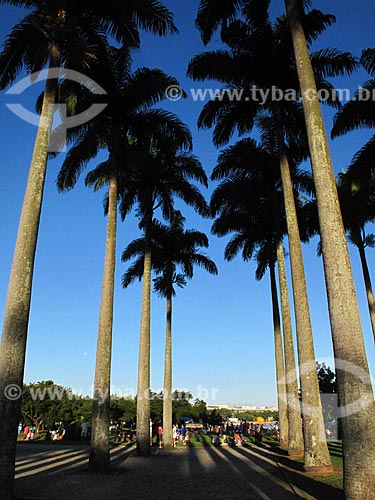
174 435
84 431
160 436
26 432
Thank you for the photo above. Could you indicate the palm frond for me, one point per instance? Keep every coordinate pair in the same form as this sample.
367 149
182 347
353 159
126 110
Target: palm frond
75 161
134 272
332 62
357 113
220 65
215 13
367 60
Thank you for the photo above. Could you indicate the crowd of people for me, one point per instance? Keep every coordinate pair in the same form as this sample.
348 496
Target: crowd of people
56 432
53 433
229 434
180 434
225 434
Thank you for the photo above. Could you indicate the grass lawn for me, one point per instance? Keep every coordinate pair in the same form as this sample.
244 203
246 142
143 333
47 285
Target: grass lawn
198 440
335 479
335 449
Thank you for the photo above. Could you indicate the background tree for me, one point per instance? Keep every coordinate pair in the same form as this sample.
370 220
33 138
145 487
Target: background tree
51 35
359 463
357 195
252 42
172 248
249 204
356 186
129 113
162 170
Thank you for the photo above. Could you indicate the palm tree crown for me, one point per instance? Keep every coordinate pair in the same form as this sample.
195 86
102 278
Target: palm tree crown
173 248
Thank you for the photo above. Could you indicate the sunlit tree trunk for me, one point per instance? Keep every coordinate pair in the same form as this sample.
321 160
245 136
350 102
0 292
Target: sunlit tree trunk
17 308
316 454
353 379
99 453
167 393
143 391
279 361
295 438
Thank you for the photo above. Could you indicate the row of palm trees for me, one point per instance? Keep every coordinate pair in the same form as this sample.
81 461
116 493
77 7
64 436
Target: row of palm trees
150 163
173 249
67 35
251 38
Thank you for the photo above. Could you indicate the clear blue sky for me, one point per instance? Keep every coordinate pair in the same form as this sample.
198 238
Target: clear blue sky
222 326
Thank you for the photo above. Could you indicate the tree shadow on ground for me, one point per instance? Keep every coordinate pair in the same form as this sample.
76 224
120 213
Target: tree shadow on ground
281 454
296 476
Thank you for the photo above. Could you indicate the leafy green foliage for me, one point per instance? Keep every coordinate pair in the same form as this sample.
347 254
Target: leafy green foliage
45 402
326 378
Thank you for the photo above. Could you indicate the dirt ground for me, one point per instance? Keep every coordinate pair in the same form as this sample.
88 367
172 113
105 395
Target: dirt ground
59 472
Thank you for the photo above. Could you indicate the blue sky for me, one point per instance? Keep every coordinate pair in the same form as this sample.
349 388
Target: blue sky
222 326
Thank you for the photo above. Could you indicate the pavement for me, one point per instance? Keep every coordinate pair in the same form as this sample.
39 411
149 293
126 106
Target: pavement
60 472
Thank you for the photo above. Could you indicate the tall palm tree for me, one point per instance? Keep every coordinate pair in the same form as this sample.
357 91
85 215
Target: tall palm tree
174 249
264 252
253 184
161 171
349 350
53 35
356 185
357 196
252 42
127 115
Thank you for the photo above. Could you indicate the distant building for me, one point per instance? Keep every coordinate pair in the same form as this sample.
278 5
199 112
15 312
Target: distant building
218 407
241 409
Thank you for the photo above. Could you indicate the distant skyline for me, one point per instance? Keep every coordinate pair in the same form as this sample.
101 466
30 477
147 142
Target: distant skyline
222 326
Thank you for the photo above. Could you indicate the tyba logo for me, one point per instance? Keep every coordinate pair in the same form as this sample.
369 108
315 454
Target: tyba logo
67 122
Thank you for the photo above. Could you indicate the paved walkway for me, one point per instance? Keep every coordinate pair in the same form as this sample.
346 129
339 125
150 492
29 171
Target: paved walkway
59 472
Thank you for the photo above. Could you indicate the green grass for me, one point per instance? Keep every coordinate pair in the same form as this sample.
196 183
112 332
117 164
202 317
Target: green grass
334 479
335 449
198 440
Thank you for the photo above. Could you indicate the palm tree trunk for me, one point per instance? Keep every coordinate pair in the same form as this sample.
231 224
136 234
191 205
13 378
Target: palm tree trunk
279 361
354 390
368 285
143 391
99 453
167 395
316 454
295 438
17 308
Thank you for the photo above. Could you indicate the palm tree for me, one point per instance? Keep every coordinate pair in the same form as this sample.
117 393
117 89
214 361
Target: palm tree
161 170
173 249
127 115
356 195
349 350
252 42
356 185
359 113
265 255
253 184
52 35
